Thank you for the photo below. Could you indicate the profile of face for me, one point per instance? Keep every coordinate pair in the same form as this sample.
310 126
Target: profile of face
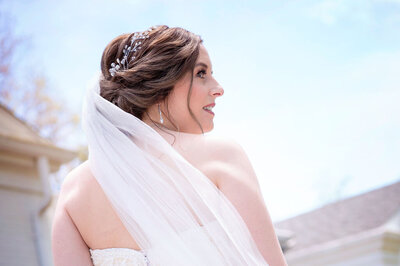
205 89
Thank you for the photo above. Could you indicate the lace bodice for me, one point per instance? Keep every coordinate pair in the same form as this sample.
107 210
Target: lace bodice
128 256
118 257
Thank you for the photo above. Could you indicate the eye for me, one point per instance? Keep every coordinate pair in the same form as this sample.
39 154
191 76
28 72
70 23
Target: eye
201 73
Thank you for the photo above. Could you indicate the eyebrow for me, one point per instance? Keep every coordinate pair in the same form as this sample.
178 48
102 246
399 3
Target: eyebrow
202 64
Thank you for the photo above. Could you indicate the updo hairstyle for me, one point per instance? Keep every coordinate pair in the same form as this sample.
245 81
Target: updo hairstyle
164 58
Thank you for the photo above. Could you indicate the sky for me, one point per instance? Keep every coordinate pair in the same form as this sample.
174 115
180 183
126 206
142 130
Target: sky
312 88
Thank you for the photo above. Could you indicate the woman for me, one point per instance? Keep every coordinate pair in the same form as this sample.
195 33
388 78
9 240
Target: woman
156 190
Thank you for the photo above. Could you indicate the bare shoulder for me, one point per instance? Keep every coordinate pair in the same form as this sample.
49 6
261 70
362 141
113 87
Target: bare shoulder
230 161
236 175
83 199
224 148
68 245
76 180
78 188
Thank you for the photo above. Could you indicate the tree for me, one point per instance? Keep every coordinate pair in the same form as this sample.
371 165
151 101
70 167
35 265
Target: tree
30 99
28 96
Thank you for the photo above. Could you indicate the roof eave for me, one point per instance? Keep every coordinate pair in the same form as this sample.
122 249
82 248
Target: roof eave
53 153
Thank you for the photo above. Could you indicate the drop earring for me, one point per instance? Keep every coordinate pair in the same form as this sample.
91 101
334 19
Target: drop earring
161 119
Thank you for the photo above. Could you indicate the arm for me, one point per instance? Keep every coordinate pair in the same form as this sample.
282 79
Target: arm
68 247
238 182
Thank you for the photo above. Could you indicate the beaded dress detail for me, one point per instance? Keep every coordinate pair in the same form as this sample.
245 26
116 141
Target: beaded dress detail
132 257
118 257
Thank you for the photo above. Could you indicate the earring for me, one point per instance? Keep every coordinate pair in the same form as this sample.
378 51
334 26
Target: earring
161 119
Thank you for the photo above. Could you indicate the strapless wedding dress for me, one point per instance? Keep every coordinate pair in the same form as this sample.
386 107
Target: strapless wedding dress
131 257
118 257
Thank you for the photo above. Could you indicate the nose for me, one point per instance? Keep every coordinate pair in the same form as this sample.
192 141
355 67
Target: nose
217 91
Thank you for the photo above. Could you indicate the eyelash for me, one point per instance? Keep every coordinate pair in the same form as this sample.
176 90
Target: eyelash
201 71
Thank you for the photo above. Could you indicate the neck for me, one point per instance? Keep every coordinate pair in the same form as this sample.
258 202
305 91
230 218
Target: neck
167 127
174 137
178 134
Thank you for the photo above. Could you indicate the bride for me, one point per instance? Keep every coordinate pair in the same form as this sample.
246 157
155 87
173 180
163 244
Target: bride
156 190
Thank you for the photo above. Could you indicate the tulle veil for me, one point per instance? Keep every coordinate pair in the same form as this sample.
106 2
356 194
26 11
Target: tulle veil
172 210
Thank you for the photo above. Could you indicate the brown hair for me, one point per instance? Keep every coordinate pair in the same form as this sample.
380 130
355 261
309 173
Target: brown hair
164 58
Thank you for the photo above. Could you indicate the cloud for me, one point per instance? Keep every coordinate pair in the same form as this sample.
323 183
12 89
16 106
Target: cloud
365 12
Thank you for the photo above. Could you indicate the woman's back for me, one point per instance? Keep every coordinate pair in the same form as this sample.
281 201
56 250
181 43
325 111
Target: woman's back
103 237
92 212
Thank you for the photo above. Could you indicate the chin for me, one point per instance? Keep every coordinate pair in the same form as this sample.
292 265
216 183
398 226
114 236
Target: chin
208 127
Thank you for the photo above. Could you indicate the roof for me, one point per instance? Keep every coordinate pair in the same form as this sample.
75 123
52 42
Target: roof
343 218
14 128
18 137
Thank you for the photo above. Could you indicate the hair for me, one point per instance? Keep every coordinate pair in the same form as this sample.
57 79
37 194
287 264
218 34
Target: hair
163 59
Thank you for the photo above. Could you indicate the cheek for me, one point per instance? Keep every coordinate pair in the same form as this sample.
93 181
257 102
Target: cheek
177 105
178 108
197 99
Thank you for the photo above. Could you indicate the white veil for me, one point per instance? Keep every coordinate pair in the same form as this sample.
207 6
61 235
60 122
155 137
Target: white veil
159 196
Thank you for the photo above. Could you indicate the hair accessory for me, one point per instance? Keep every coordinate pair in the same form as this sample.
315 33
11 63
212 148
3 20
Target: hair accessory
161 119
132 48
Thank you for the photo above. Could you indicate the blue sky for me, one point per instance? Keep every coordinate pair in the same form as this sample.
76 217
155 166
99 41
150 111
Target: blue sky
311 87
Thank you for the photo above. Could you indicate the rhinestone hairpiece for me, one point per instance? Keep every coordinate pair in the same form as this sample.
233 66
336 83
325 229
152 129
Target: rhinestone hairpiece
132 48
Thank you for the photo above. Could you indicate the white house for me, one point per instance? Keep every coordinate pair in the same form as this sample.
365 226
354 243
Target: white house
26 160
360 230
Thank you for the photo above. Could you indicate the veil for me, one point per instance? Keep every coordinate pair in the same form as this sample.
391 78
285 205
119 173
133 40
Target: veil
172 210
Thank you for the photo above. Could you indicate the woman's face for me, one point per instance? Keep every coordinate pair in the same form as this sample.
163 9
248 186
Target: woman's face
205 89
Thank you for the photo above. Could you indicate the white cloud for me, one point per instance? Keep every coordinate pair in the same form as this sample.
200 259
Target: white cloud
367 12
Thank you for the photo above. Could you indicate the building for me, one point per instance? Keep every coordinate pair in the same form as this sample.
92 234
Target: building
360 230
26 161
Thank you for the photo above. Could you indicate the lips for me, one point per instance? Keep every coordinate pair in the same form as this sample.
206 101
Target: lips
210 105
208 108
